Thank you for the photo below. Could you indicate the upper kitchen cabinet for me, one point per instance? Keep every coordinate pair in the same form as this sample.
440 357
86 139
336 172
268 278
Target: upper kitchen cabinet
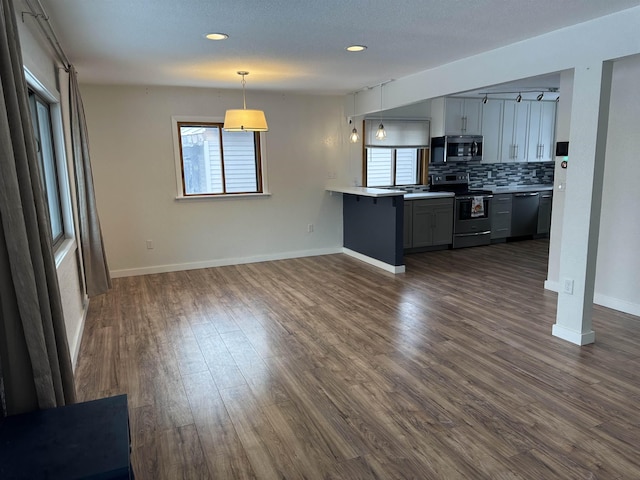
515 131
542 126
492 120
463 116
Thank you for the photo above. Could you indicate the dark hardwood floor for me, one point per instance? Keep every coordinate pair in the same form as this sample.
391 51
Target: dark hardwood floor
327 368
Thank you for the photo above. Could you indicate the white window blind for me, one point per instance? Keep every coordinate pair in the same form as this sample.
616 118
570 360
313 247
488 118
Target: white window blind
406 166
379 167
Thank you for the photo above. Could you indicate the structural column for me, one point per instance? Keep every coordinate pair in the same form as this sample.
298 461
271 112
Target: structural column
583 199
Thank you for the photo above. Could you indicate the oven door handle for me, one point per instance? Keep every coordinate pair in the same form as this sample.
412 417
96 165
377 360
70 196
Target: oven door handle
488 232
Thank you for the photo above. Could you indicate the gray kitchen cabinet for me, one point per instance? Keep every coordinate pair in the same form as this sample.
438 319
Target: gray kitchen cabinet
492 120
407 224
542 126
515 131
501 211
544 212
463 116
432 222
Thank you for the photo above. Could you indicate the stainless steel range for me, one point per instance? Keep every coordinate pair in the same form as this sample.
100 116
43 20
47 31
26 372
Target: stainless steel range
471 221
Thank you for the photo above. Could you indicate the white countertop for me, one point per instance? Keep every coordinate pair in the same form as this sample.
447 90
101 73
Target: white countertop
366 191
419 195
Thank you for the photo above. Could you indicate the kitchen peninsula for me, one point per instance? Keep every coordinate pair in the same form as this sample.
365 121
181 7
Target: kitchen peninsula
373 224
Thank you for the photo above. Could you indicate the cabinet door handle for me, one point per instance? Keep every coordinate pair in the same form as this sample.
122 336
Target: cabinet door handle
464 124
516 151
541 150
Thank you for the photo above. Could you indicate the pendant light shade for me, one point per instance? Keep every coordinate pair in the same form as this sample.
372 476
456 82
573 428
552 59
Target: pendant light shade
381 133
243 120
354 136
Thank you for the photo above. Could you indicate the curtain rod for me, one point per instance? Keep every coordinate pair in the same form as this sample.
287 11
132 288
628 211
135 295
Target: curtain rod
42 20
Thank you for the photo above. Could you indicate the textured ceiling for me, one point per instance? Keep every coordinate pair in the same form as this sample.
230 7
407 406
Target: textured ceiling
295 45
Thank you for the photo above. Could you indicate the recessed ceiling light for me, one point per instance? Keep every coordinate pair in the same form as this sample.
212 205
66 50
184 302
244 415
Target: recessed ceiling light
217 36
356 48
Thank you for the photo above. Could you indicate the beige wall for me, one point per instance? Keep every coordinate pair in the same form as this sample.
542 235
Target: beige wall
131 139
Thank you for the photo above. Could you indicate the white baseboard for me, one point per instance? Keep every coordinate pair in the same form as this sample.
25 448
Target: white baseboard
77 338
376 263
617 304
603 300
577 338
132 272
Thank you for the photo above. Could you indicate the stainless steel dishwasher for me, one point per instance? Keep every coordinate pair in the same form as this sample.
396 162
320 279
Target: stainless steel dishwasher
524 217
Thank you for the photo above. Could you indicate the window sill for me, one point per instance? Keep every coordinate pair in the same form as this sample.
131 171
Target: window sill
67 247
222 197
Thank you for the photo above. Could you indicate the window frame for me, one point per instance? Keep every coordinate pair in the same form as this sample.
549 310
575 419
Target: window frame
422 159
67 242
35 99
260 160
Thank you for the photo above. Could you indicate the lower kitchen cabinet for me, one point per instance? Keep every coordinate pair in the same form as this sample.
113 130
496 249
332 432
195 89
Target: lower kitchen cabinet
501 210
431 223
544 212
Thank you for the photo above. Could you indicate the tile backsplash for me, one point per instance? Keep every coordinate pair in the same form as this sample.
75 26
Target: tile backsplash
502 174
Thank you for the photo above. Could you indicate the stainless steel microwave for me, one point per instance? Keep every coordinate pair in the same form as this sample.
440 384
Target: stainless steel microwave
456 148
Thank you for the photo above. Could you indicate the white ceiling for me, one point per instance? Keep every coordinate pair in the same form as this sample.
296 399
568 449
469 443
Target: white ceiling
295 45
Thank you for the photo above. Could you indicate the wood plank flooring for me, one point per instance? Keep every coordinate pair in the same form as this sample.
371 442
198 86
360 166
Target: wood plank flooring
327 368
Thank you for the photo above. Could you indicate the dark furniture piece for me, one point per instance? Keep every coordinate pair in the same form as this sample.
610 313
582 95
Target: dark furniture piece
82 441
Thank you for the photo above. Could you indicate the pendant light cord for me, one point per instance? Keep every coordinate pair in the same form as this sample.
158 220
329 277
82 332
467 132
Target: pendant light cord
244 98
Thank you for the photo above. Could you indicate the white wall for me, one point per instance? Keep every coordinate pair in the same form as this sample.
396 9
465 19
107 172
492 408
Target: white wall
132 151
563 126
618 266
39 60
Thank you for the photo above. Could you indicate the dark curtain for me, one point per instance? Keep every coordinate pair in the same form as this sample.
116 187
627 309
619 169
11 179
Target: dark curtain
96 271
34 354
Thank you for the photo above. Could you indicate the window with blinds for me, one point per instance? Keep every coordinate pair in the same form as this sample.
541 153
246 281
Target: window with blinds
391 166
216 162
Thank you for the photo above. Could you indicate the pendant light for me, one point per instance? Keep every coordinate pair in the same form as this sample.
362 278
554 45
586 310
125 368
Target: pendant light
381 133
243 120
519 97
354 136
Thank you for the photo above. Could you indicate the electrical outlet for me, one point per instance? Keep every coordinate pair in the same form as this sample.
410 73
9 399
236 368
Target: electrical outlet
310 228
567 286
149 244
